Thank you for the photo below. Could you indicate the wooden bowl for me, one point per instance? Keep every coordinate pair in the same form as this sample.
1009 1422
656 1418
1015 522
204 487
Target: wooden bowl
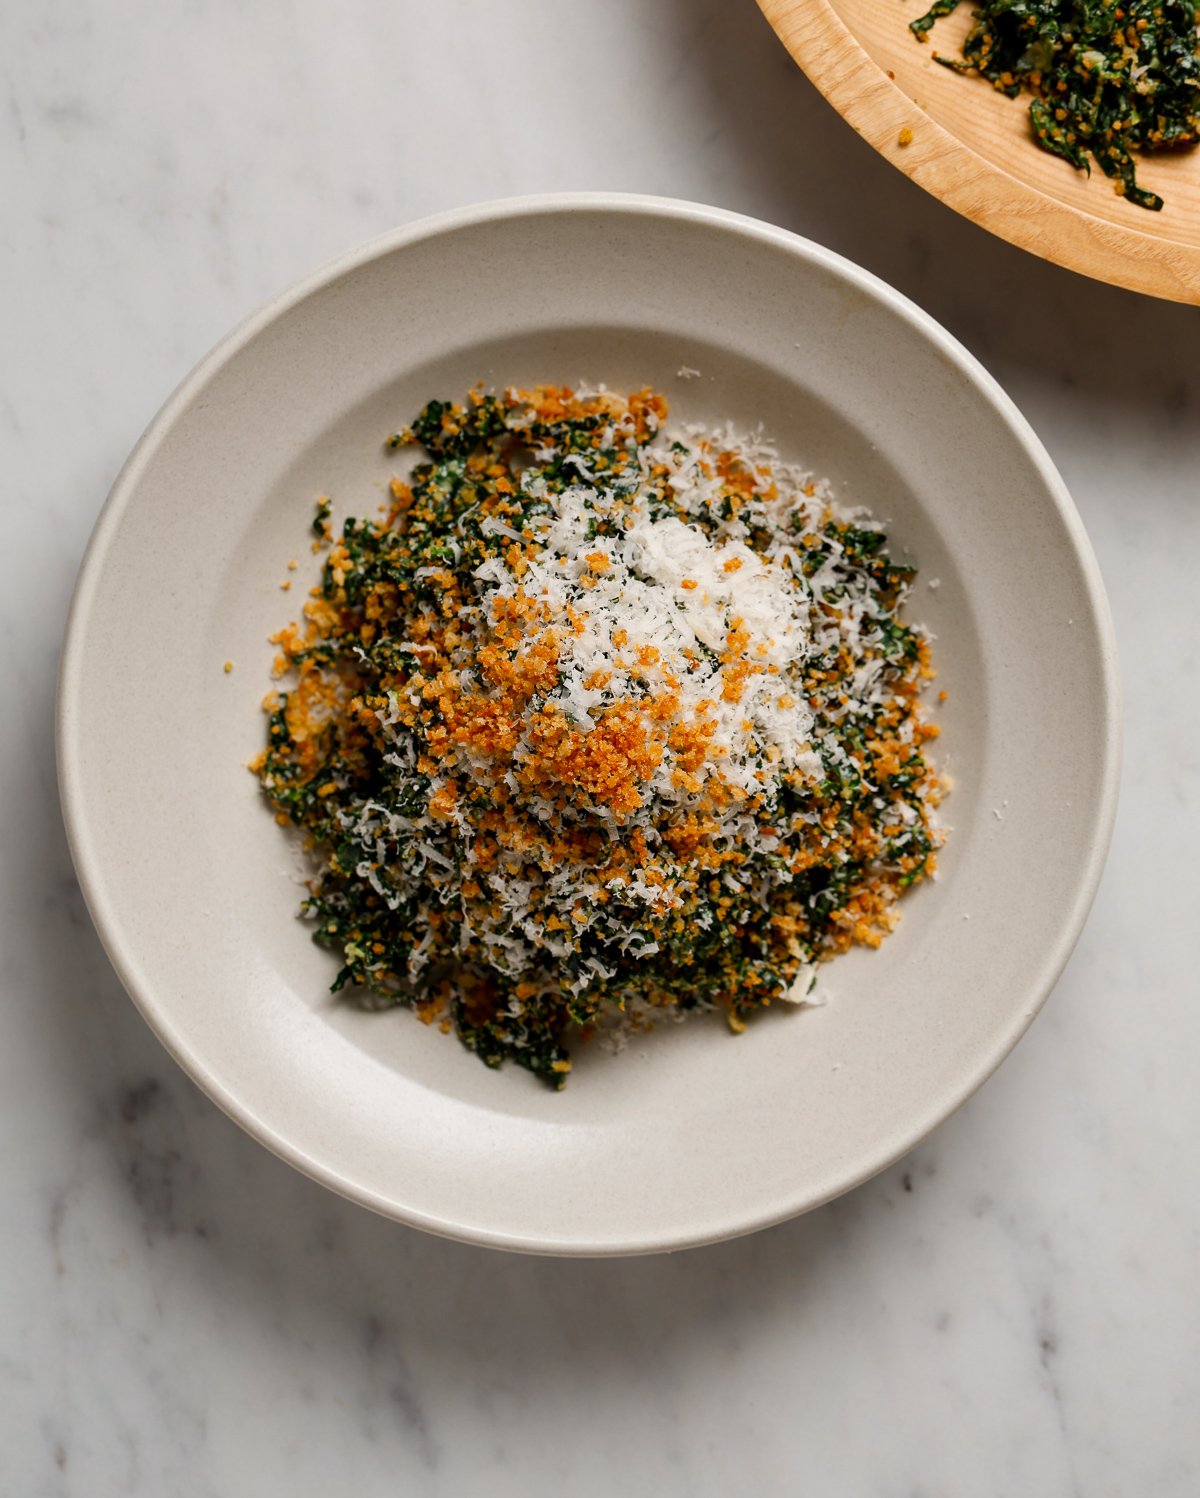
972 147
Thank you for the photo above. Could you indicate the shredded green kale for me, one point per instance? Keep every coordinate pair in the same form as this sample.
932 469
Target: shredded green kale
1108 79
555 759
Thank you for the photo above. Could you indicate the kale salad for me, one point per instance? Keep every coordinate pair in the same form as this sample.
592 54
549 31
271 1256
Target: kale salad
599 719
1108 77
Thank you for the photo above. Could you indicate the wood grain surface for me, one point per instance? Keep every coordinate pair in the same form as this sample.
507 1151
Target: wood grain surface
971 146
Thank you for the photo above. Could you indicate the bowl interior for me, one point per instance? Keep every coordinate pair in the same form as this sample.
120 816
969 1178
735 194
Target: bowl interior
347 459
690 1134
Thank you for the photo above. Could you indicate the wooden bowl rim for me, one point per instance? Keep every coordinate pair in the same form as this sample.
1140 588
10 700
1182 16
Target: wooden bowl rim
856 86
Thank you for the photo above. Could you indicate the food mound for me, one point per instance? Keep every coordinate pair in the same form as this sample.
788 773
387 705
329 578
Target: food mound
599 719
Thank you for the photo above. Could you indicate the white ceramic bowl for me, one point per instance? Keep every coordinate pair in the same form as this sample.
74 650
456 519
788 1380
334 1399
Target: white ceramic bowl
690 1135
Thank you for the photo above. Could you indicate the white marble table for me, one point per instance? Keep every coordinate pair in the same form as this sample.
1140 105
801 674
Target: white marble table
1011 1311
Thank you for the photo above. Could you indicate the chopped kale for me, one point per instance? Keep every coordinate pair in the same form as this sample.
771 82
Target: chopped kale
520 848
1108 78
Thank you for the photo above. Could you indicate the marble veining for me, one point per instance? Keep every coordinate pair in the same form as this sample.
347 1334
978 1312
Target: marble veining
1010 1312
